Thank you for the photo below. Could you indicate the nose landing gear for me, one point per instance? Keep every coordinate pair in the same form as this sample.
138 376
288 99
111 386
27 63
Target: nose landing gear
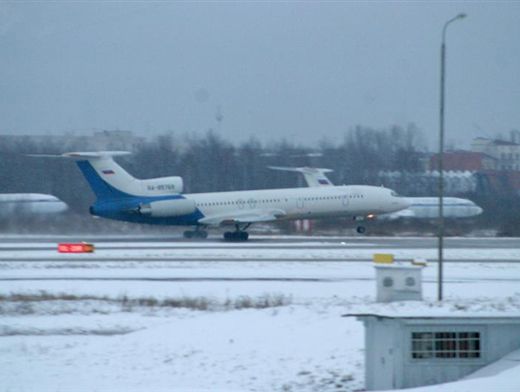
361 229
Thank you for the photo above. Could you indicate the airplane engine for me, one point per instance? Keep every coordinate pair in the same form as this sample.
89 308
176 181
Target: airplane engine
168 208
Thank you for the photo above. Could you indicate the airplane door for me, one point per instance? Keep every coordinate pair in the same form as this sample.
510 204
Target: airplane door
345 200
300 203
252 203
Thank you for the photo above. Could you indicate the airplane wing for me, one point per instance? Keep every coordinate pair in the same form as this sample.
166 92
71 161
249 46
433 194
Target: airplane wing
314 176
250 216
406 213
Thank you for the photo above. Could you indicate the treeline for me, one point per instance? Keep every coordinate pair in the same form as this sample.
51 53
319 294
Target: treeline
212 163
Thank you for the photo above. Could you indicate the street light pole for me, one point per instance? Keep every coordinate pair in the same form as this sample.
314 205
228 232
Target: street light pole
441 156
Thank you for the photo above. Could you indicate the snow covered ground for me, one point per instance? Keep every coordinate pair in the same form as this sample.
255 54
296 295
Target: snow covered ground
85 324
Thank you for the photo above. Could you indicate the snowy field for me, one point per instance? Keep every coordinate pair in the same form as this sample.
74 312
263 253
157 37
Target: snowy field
138 320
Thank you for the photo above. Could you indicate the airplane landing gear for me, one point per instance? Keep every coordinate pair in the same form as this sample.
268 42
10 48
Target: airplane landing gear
197 233
236 236
361 229
239 235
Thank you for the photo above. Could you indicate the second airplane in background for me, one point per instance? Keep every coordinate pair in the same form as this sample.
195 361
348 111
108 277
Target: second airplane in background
29 204
428 208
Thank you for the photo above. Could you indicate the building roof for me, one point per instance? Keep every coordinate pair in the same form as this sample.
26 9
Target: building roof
494 142
460 316
429 309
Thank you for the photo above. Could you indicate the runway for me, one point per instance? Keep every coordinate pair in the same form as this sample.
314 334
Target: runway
42 251
264 260
260 241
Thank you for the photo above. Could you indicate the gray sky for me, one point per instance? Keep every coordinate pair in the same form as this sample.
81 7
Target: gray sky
299 70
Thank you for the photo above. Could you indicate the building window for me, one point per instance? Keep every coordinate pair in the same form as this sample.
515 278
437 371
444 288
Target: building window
445 345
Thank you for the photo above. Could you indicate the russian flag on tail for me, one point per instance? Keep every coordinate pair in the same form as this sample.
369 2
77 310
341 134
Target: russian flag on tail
108 171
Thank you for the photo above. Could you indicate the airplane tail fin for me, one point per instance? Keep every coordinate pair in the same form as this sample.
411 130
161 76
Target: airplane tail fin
109 180
314 176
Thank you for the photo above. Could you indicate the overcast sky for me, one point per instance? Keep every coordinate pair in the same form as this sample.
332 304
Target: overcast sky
299 70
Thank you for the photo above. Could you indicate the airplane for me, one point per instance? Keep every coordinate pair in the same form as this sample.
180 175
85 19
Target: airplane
420 207
30 204
120 196
428 208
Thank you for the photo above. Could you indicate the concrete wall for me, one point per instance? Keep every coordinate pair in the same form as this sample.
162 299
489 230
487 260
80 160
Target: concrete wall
503 339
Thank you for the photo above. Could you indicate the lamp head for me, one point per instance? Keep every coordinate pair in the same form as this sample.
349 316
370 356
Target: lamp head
462 15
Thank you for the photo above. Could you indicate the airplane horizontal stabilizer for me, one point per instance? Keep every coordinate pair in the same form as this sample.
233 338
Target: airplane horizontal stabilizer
314 176
95 154
83 155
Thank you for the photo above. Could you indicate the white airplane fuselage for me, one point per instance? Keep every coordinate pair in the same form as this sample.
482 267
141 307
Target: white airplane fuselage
217 208
30 204
300 203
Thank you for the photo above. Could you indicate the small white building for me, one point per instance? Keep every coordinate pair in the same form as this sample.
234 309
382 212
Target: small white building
417 350
398 282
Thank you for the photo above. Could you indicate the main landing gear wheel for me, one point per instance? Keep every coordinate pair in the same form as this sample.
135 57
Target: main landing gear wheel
361 229
195 234
236 236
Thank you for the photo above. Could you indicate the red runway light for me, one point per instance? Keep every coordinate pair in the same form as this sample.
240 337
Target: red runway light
81 247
